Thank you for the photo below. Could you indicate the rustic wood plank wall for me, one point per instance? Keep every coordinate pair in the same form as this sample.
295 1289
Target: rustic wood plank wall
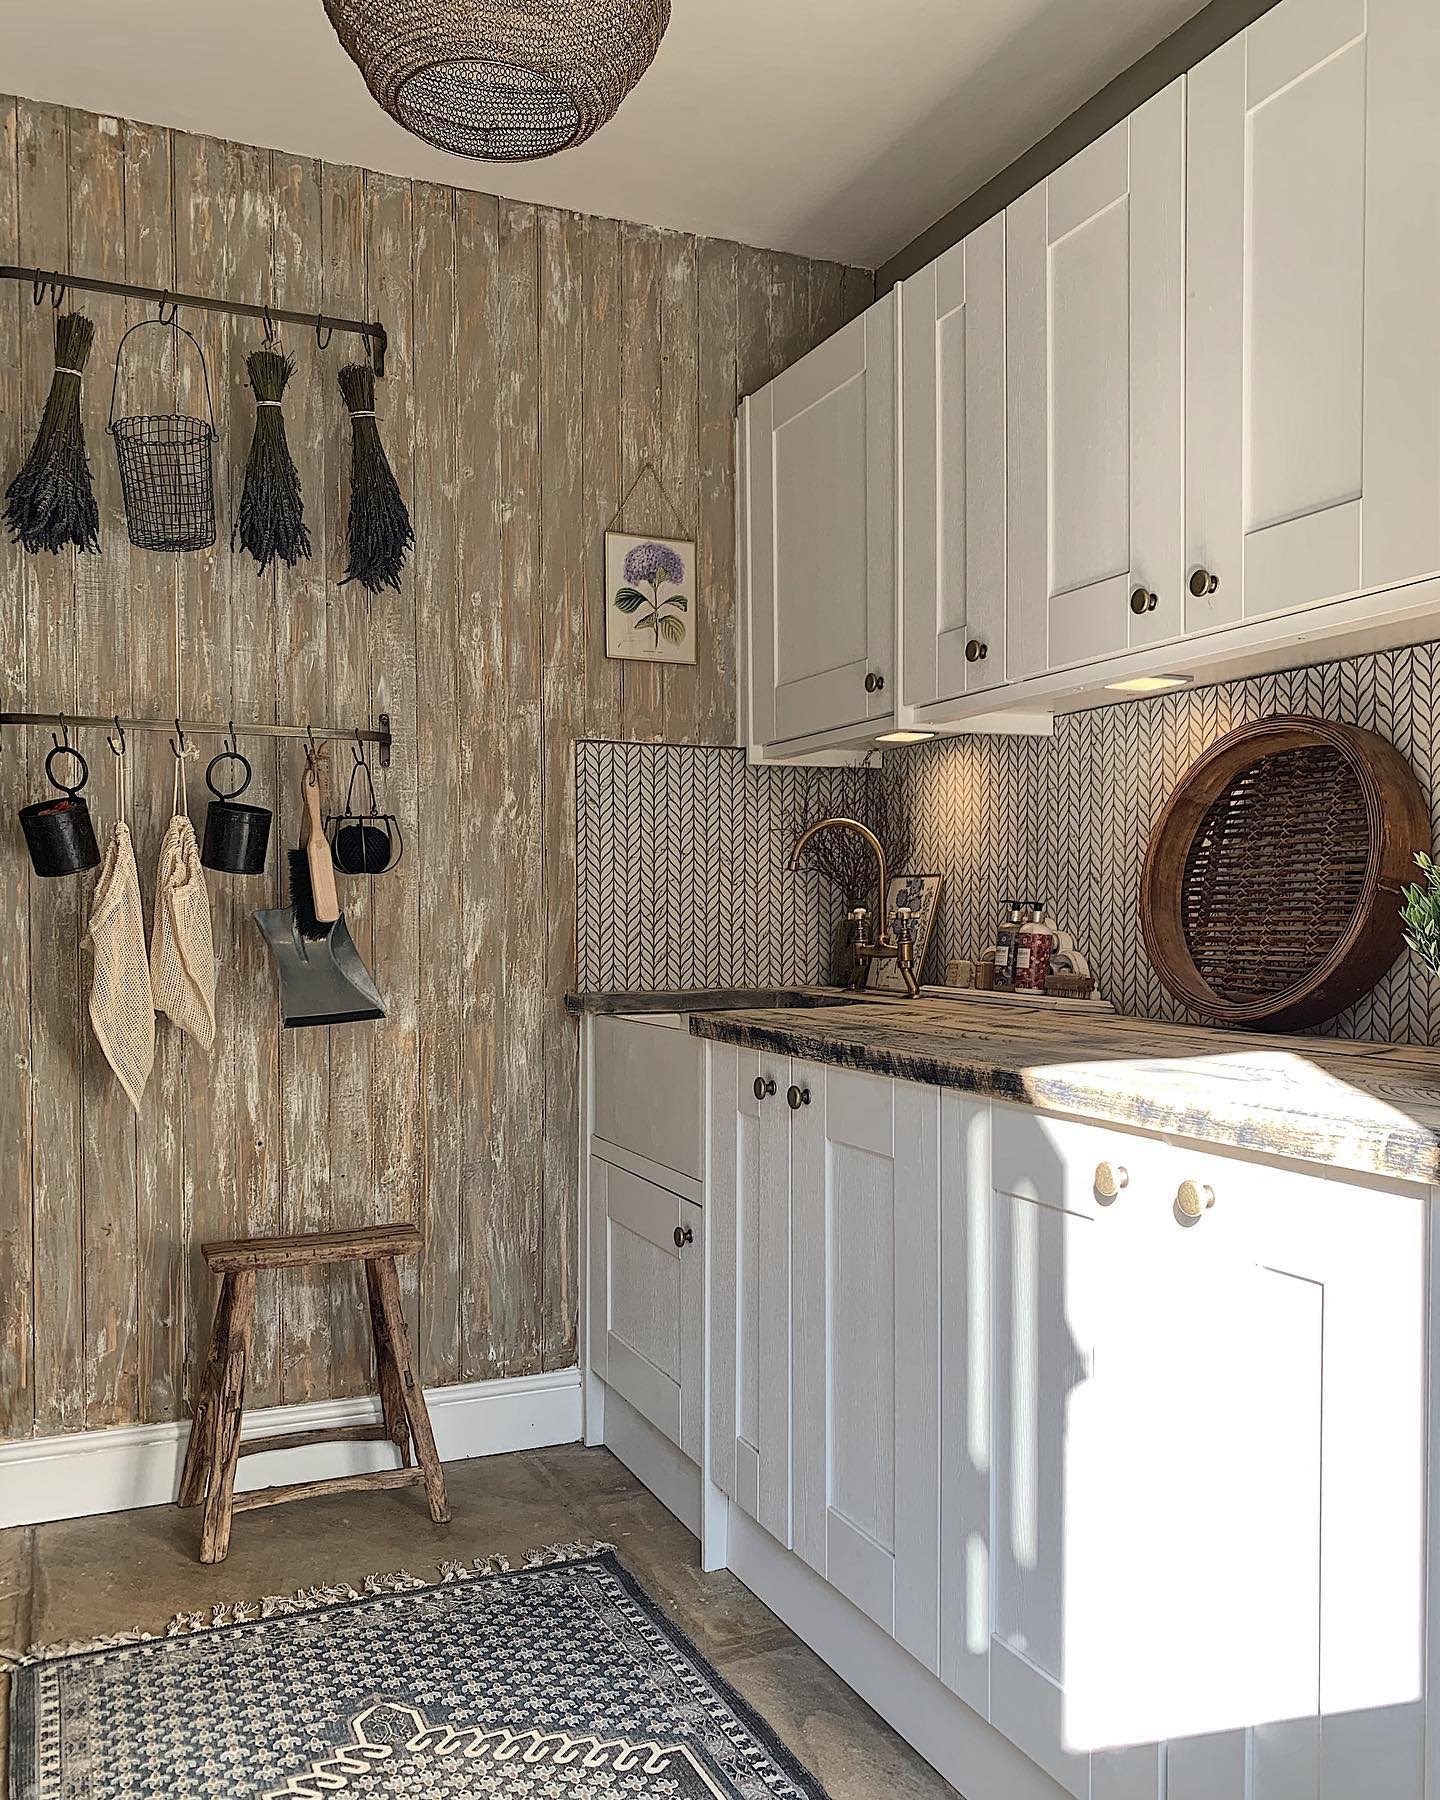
538 360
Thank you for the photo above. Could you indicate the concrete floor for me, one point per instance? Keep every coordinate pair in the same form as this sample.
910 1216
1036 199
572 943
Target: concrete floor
86 1578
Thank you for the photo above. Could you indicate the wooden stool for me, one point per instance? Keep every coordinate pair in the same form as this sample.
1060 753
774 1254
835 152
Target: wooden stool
215 1445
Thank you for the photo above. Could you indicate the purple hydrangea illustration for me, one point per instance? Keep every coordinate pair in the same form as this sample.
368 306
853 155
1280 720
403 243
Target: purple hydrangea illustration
653 565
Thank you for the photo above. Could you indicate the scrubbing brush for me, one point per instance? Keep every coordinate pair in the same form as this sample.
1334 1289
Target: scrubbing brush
313 898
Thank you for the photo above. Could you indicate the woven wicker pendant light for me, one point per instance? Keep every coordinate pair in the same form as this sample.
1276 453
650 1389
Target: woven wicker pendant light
504 80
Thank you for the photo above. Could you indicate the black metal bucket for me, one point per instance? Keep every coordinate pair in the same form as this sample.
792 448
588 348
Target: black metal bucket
58 833
237 838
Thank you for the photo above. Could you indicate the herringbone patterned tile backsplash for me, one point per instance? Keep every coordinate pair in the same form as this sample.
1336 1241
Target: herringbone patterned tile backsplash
682 851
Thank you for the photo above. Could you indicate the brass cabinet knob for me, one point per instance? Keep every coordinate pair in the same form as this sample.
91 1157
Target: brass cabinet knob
683 1236
1143 601
798 1097
976 650
1109 1179
1202 582
1193 1200
764 1085
874 683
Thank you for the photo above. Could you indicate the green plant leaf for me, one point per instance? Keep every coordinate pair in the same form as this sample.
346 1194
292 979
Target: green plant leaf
676 600
630 600
673 628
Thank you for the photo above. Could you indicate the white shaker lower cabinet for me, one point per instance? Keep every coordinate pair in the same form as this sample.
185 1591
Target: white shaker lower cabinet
819 456
1208 1453
1095 314
750 1242
1312 360
648 1306
865 1286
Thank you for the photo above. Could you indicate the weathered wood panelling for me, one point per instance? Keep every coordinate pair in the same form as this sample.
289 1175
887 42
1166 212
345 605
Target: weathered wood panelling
537 361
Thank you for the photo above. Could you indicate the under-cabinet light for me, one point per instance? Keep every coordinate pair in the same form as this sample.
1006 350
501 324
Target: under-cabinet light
904 737
1148 684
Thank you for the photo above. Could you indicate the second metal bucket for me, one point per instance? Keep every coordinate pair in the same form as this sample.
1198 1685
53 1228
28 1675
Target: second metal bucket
237 837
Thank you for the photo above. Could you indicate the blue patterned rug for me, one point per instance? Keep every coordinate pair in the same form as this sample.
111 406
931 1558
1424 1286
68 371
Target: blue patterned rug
561 1679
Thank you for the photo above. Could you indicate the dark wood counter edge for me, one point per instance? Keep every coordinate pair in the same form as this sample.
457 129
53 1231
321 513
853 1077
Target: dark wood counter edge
1403 1155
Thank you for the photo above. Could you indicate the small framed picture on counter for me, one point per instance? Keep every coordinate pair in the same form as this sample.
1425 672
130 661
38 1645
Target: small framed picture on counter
921 893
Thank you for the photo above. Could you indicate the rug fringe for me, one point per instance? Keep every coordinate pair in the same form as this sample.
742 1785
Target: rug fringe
314 1599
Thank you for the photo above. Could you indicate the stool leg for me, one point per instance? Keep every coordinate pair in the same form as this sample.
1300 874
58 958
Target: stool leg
387 1371
393 1313
196 1474
229 1406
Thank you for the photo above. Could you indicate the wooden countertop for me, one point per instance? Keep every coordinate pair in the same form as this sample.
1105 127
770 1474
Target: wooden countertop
1368 1108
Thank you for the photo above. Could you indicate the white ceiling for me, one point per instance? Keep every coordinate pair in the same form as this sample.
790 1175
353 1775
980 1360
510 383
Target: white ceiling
834 128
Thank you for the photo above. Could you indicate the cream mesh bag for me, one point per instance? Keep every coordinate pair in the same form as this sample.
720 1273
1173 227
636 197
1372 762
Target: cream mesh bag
182 951
122 1010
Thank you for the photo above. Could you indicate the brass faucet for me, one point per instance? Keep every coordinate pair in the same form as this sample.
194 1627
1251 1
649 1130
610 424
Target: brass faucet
899 947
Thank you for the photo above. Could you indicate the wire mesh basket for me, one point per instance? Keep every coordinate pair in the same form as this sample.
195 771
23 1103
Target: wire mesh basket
167 475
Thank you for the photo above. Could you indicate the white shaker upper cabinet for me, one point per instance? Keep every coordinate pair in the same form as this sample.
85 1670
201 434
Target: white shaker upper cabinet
820 455
952 360
1312 354
1095 328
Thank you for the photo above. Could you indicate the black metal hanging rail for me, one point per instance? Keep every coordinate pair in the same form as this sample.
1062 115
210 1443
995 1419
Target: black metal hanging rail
209 728
322 324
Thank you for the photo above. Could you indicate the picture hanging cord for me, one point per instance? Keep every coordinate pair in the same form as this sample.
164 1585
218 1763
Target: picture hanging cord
648 468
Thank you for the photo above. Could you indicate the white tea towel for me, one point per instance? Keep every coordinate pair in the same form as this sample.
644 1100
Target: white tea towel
182 951
122 1009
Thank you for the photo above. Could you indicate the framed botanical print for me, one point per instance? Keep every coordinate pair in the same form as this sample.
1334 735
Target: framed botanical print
921 893
650 600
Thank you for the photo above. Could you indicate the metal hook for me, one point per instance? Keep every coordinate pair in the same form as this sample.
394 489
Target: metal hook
57 294
37 288
232 747
174 306
120 748
63 741
323 332
180 747
270 333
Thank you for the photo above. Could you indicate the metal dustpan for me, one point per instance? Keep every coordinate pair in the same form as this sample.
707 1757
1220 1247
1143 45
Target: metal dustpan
322 980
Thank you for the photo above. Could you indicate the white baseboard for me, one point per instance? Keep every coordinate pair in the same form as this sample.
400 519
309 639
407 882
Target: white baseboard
966 1749
139 1465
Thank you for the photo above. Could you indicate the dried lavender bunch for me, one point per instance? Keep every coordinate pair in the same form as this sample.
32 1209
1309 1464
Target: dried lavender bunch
271 520
378 533
51 502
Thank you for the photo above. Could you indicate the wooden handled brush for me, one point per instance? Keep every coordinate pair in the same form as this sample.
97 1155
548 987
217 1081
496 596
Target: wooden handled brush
324 899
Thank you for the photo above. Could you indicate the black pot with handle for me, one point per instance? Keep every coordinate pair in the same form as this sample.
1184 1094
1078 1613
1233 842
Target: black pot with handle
58 832
237 837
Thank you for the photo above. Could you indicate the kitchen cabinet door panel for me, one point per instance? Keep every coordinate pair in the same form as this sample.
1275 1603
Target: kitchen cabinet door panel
820 461
953 486
865 1196
1313 381
638 1333
748 1187
1094 305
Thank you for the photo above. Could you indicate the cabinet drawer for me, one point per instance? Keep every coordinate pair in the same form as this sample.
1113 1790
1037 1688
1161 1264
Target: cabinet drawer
646 1331
649 1092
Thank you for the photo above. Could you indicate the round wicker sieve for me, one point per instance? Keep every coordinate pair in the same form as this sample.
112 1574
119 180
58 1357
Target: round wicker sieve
1270 894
